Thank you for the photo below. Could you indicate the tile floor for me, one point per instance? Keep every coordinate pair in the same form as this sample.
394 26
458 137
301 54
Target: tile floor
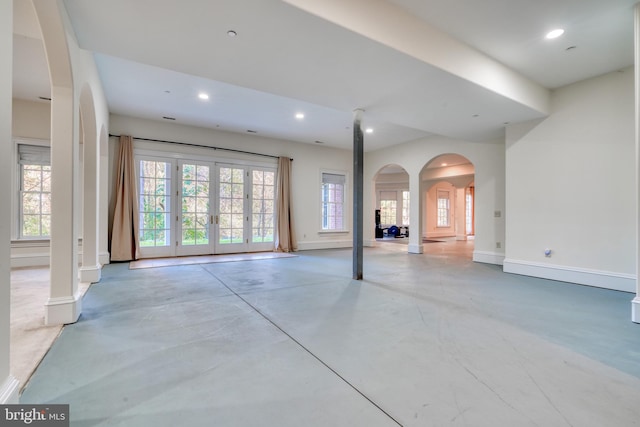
424 340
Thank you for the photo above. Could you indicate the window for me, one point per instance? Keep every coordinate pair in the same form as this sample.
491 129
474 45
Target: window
35 191
263 199
388 207
469 210
155 203
443 208
333 189
405 208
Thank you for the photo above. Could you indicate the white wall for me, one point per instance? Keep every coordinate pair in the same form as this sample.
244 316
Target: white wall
309 161
488 163
570 186
31 119
8 384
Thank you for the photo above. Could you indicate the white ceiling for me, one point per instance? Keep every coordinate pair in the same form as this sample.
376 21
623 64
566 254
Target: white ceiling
155 56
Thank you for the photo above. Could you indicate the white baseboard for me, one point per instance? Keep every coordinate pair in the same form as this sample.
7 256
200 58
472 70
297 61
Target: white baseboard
635 309
416 249
488 257
30 260
63 310
597 278
10 391
324 244
90 274
104 258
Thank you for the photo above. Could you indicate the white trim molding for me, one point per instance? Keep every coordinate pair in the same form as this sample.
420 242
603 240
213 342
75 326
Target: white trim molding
635 309
10 391
91 274
416 249
582 276
104 258
63 310
488 257
324 244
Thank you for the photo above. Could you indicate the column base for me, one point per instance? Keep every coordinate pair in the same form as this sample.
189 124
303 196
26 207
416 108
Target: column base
635 309
416 249
90 274
10 391
104 258
62 311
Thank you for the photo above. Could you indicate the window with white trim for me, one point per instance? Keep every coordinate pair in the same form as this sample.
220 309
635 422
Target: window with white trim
405 207
388 207
333 203
34 218
443 208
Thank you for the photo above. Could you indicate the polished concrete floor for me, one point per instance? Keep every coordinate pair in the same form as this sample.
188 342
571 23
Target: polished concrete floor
30 337
424 340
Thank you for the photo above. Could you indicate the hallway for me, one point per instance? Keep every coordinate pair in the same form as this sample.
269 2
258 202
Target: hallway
430 339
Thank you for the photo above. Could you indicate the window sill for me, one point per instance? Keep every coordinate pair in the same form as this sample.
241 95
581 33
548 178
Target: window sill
333 232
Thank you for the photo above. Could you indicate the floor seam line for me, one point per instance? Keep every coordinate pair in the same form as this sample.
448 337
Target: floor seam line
264 316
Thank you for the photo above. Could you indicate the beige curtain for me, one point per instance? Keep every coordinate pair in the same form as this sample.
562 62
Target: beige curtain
285 239
124 236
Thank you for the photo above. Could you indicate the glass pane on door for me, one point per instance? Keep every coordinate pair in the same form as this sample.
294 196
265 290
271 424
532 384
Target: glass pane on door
231 199
262 206
155 203
195 204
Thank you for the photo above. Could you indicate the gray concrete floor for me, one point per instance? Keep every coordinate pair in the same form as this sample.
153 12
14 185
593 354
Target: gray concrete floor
424 340
30 337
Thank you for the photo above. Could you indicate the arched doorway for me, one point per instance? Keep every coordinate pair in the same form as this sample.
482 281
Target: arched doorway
448 186
392 203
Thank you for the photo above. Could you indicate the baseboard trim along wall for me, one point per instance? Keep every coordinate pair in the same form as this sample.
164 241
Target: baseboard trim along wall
635 310
324 244
9 392
582 276
488 257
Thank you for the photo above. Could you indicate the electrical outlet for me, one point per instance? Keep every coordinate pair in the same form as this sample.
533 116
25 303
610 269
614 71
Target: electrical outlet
498 245
497 214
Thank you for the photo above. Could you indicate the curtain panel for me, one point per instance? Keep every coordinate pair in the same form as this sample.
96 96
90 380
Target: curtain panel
285 239
125 244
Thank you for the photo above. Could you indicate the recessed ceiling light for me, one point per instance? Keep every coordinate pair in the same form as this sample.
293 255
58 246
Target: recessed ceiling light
555 33
319 142
203 96
168 118
369 130
299 116
231 33
476 115
444 164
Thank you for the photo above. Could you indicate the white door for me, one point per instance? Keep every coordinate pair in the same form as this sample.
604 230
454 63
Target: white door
155 210
231 218
194 221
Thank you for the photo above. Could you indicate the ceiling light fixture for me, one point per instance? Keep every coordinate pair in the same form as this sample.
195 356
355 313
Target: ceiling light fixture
203 96
299 116
555 33
369 130
444 164
231 33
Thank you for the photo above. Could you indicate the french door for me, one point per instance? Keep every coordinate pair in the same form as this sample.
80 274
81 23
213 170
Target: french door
195 207
245 219
194 221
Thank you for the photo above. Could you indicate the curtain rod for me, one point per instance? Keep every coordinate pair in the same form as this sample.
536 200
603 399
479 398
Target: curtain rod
203 146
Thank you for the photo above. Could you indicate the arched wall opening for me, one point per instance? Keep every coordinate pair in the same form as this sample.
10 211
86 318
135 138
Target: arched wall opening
392 202
90 169
448 198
